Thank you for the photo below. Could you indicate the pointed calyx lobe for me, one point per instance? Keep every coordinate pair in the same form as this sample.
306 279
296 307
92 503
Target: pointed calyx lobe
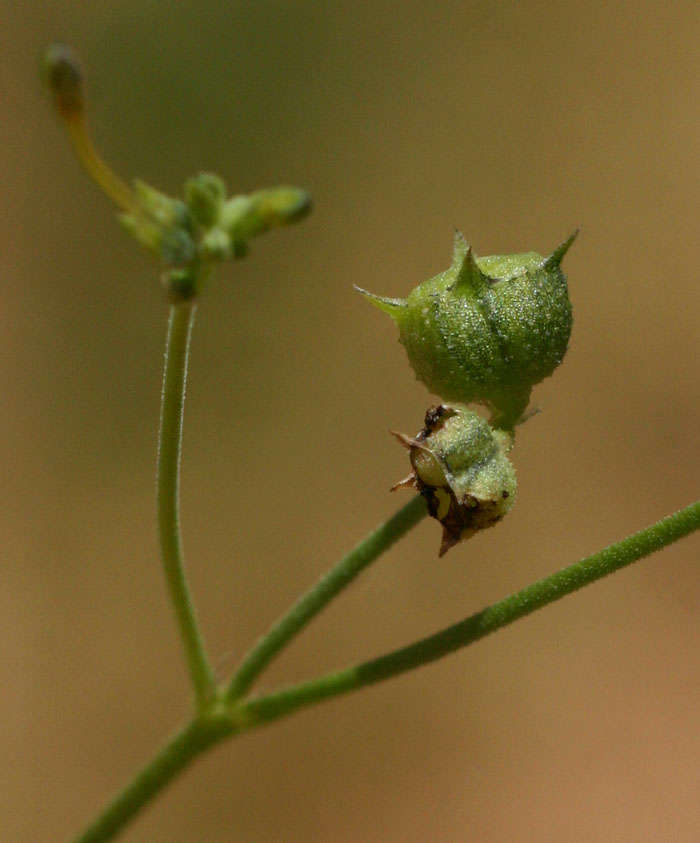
467 274
554 260
486 329
388 305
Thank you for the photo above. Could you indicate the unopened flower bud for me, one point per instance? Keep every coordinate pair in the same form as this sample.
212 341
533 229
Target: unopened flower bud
461 466
281 205
191 235
162 224
64 78
215 245
204 195
244 217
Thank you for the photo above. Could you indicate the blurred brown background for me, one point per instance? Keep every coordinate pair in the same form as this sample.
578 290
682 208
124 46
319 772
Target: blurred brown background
515 122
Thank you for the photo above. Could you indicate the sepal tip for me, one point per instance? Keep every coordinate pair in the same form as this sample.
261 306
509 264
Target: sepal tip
554 260
470 276
388 305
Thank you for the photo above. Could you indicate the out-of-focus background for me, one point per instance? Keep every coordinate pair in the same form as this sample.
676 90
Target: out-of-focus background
515 122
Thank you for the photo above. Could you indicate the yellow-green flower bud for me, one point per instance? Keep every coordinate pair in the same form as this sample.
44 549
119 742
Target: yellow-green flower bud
64 78
244 217
487 329
204 195
215 245
461 467
162 224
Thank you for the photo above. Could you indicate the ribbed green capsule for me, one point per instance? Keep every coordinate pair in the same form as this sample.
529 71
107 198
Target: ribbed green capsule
486 329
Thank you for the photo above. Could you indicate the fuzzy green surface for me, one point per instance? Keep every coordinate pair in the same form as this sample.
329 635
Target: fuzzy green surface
492 345
467 455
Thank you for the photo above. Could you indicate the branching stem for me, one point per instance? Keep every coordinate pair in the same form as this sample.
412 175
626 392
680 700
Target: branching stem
479 625
331 584
177 754
224 720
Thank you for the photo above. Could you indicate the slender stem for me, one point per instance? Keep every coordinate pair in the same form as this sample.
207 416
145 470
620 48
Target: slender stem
320 595
204 731
477 626
168 486
201 733
177 754
117 190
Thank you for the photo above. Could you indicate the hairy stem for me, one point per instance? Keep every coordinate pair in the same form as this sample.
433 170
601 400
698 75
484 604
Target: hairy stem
178 753
331 584
206 730
168 486
477 626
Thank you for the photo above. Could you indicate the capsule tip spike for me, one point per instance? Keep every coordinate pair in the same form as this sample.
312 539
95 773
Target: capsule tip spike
388 305
469 275
555 259
459 249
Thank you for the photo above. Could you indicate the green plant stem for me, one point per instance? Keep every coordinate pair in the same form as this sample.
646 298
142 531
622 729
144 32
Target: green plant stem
177 754
477 626
168 486
320 595
206 730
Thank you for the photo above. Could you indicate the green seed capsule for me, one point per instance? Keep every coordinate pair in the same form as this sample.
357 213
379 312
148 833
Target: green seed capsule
486 330
460 465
